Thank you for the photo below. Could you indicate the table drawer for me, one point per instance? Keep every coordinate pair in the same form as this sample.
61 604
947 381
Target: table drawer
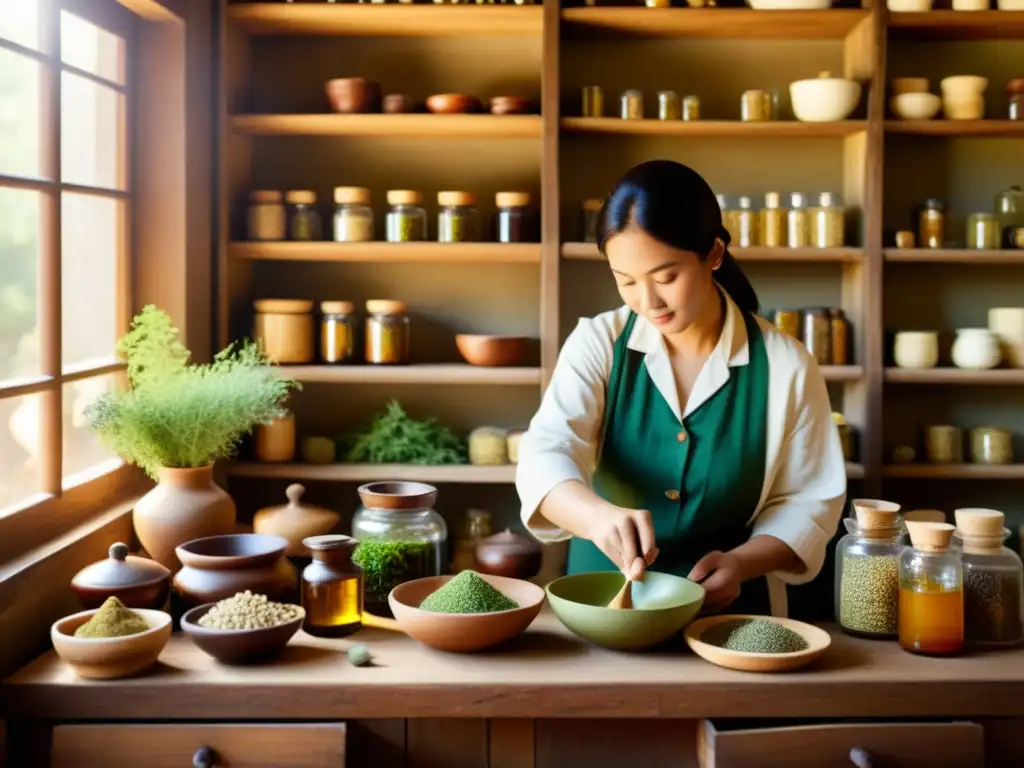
892 745
176 746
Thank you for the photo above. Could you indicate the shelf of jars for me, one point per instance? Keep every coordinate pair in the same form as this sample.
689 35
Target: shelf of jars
405 126
957 25
363 473
589 252
954 376
700 128
955 471
957 128
382 252
421 373
954 256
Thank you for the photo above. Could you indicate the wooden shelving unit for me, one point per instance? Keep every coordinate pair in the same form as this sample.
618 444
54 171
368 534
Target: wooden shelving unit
953 376
376 252
589 252
782 129
953 256
365 473
714 23
955 471
447 375
957 128
957 25
414 126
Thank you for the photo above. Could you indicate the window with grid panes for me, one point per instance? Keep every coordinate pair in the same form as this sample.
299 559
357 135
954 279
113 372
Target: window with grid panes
65 201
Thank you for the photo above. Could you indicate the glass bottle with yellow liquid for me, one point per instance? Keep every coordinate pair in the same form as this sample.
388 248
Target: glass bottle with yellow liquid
931 602
332 587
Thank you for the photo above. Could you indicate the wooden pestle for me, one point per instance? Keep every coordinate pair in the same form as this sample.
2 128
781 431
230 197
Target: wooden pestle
623 599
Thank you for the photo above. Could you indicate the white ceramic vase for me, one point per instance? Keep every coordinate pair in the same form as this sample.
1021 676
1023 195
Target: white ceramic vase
976 349
916 349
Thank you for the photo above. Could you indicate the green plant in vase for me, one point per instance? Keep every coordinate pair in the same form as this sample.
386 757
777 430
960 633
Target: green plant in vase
176 419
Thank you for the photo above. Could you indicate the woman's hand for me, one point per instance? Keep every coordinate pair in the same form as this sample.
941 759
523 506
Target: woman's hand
724 575
626 536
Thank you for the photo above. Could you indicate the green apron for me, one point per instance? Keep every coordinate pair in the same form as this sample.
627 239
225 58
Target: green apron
701 480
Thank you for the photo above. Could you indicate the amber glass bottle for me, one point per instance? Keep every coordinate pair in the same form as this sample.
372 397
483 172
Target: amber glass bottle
931 604
332 587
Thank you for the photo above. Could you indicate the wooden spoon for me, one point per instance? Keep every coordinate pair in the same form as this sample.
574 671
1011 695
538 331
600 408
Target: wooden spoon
623 599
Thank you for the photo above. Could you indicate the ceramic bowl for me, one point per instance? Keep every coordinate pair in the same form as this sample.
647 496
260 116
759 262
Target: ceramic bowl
218 567
824 99
663 605
909 6
491 351
1007 321
509 105
452 104
818 641
352 95
239 646
789 5
908 85
464 632
916 349
915 106
970 108
104 658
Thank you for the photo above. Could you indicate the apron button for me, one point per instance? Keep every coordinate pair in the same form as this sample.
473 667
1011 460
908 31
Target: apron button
681 437
672 494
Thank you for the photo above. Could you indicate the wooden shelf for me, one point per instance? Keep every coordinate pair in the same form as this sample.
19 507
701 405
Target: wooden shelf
854 471
956 471
361 473
775 129
377 252
589 252
714 23
415 126
958 25
445 373
842 373
954 256
996 377
957 128
379 20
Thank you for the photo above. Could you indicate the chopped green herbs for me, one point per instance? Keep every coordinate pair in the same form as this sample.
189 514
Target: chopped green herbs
387 563
395 438
467 593
754 636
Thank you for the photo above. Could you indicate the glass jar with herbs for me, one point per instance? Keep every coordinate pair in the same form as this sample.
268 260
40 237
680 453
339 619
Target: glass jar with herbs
591 214
773 221
512 221
337 331
406 219
332 587
387 332
993 580
353 216
401 538
867 570
266 220
303 218
798 222
931 224
747 227
828 222
931 605
458 219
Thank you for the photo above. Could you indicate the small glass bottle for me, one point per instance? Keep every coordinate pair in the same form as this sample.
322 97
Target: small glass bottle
332 587
511 222
983 232
631 105
867 570
303 218
593 101
457 221
746 223
993 580
337 331
931 224
591 214
387 332
668 106
406 220
840 337
773 221
266 219
798 222
828 222
931 606
353 216
818 334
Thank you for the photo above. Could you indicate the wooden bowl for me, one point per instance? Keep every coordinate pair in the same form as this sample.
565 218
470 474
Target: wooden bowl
352 95
453 104
509 105
104 658
491 351
464 632
818 641
239 646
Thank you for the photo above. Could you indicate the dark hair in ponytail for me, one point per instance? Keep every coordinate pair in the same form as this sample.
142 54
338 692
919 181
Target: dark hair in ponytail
672 203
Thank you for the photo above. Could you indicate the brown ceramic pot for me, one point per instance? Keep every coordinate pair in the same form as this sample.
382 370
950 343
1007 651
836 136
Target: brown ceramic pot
219 567
295 521
239 646
508 554
136 581
186 504
353 95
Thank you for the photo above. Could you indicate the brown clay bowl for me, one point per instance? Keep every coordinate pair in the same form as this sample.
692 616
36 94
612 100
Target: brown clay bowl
105 658
239 646
490 350
464 632
352 95
217 567
453 104
398 104
509 105
397 494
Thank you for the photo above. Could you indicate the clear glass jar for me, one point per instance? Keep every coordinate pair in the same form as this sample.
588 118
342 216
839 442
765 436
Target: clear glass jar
337 331
593 101
332 587
353 216
993 580
1010 212
817 336
931 224
746 223
631 105
669 107
406 219
401 538
511 222
840 337
867 581
266 220
798 222
591 214
304 222
458 219
828 222
931 604
728 215
983 231
387 332
755 106
773 221
691 107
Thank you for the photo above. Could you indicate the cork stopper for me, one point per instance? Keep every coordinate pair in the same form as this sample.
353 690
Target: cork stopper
924 516
352 195
300 197
981 530
876 518
512 199
404 197
283 306
337 307
930 537
386 307
455 198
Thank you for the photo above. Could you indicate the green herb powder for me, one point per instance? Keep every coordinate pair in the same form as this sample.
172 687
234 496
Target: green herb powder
754 636
467 593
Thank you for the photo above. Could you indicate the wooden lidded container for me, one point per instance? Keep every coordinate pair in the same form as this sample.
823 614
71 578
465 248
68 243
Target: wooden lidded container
295 521
286 330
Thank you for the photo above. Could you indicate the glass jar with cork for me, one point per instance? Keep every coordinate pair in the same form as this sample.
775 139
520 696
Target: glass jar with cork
512 221
337 331
406 220
353 216
266 220
304 223
332 587
931 605
387 332
457 221
867 570
773 221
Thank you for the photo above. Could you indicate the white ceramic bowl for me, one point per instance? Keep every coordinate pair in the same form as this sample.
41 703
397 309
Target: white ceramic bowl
824 99
909 6
976 349
915 106
916 349
789 5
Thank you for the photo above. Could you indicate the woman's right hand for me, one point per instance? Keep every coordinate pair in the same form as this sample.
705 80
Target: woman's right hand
626 536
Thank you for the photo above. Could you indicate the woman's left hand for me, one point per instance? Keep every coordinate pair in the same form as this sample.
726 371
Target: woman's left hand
723 579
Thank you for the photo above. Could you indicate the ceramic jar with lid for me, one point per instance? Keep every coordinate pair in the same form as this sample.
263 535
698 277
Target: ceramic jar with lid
916 349
1007 323
295 521
266 219
976 349
138 582
285 329
508 554
963 97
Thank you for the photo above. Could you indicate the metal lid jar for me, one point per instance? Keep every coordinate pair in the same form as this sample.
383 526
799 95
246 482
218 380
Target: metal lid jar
867 570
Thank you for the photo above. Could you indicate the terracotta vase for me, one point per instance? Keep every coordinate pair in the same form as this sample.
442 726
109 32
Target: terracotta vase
186 504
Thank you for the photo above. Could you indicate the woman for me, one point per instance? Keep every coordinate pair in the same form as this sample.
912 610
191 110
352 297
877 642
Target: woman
680 431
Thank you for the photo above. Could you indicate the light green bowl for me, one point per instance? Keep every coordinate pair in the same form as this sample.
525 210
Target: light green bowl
662 605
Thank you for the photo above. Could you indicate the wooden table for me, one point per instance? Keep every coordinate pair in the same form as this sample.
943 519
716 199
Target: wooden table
546 687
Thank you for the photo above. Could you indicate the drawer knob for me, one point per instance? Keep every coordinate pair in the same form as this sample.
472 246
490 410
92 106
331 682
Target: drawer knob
860 757
204 758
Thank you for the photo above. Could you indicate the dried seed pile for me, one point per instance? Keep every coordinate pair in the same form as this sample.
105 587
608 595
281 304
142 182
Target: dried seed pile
247 611
467 593
869 594
754 636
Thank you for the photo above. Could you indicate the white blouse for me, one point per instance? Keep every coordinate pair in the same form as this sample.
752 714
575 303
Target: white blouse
804 486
